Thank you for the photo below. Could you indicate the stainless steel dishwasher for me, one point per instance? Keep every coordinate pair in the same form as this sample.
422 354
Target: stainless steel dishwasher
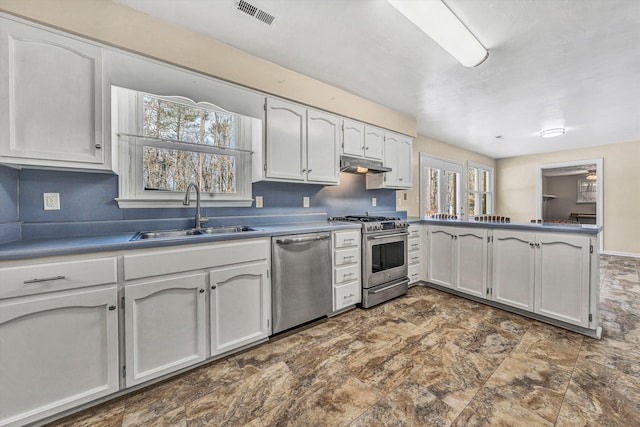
301 284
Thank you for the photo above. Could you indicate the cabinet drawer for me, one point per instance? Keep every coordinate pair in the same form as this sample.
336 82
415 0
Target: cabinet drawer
347 295
413 245
167 261
346 239
34 279
415 273
346 256
415 258
414 232
346 274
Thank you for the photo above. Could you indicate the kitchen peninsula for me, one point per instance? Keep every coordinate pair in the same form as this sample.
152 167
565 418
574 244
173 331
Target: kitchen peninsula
549 272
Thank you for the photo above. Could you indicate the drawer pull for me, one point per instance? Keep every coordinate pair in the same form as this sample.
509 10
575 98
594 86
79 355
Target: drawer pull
348 258
45 279
349 296
202 291
112 307
348 275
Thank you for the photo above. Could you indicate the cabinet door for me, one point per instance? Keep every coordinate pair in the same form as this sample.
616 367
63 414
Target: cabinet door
52 112
373 143
562 277
285 143
513 268
471 261
240 307
352 138
440 255
404 162
165 325
323 148
398 152
56 352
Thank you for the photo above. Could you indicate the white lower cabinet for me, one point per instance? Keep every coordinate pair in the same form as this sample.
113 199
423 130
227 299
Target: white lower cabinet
562 277
166 324
415 254
240 306
347 284
440 250
458 258
513 268
471 260
547 273
57 351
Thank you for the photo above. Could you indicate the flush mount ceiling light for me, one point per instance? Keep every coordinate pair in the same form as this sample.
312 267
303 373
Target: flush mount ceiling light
550 133
435 19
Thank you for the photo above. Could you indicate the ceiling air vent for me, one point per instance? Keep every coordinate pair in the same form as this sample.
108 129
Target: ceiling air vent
259 14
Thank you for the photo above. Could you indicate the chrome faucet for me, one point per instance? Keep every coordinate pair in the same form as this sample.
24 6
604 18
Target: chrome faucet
187 200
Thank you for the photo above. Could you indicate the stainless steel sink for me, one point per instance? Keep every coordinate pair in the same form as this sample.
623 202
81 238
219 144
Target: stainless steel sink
167 234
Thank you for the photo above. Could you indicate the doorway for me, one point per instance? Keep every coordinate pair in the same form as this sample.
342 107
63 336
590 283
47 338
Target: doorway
571 192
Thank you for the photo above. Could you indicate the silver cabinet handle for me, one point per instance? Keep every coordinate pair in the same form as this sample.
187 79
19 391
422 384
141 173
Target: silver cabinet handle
304 170
301 239
349 296
45 279
213 287
98 146
309 171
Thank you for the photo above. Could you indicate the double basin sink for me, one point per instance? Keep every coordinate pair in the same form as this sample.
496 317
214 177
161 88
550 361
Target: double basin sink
160 234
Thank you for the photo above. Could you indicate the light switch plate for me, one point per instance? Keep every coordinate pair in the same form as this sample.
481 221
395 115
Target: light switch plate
374 201
305 202
51 201
259 202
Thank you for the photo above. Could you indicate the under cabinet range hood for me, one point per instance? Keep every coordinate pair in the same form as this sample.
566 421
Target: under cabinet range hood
361 166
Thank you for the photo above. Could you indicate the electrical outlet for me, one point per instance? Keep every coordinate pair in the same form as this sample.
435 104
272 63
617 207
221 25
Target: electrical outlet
51 201
305 202
374 201
259 202
405 195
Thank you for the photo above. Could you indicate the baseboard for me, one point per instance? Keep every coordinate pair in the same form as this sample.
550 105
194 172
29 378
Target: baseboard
616 253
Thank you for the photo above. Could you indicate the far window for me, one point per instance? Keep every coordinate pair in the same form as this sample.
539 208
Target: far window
479 189
441 186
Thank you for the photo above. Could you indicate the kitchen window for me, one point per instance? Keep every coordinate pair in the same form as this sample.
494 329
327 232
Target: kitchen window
441 186
479 189
168 142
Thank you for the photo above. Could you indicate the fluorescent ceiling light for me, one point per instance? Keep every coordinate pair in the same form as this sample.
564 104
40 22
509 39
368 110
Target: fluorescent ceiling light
550 133
438 22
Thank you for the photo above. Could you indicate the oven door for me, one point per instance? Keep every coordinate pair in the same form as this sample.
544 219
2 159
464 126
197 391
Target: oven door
385 257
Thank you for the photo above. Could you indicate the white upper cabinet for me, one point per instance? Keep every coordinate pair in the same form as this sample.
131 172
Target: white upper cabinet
51 110
359 140
301 144
285 143
352 138
323 152
373 143
398 153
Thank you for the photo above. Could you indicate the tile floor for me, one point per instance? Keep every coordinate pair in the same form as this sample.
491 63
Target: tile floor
426 359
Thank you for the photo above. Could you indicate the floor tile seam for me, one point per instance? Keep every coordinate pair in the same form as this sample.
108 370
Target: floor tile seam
564 395
481 388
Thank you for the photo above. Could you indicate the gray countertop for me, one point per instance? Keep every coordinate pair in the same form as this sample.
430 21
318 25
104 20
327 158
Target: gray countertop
524 226
55 246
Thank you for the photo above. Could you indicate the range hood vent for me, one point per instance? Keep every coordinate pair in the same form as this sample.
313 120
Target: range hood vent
259 14
361 166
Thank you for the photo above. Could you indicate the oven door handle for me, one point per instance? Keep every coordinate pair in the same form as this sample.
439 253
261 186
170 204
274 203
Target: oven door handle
385 236
391 286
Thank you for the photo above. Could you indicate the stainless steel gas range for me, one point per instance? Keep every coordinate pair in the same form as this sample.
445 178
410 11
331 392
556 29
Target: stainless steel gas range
384 257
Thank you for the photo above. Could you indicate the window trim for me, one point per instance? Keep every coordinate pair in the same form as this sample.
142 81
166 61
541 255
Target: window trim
491 201
130 147
427 160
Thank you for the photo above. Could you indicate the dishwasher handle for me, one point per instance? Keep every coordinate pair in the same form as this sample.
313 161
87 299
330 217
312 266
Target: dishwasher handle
291 240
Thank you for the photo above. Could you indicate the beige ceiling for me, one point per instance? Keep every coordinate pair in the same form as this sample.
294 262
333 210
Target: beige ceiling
552 63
